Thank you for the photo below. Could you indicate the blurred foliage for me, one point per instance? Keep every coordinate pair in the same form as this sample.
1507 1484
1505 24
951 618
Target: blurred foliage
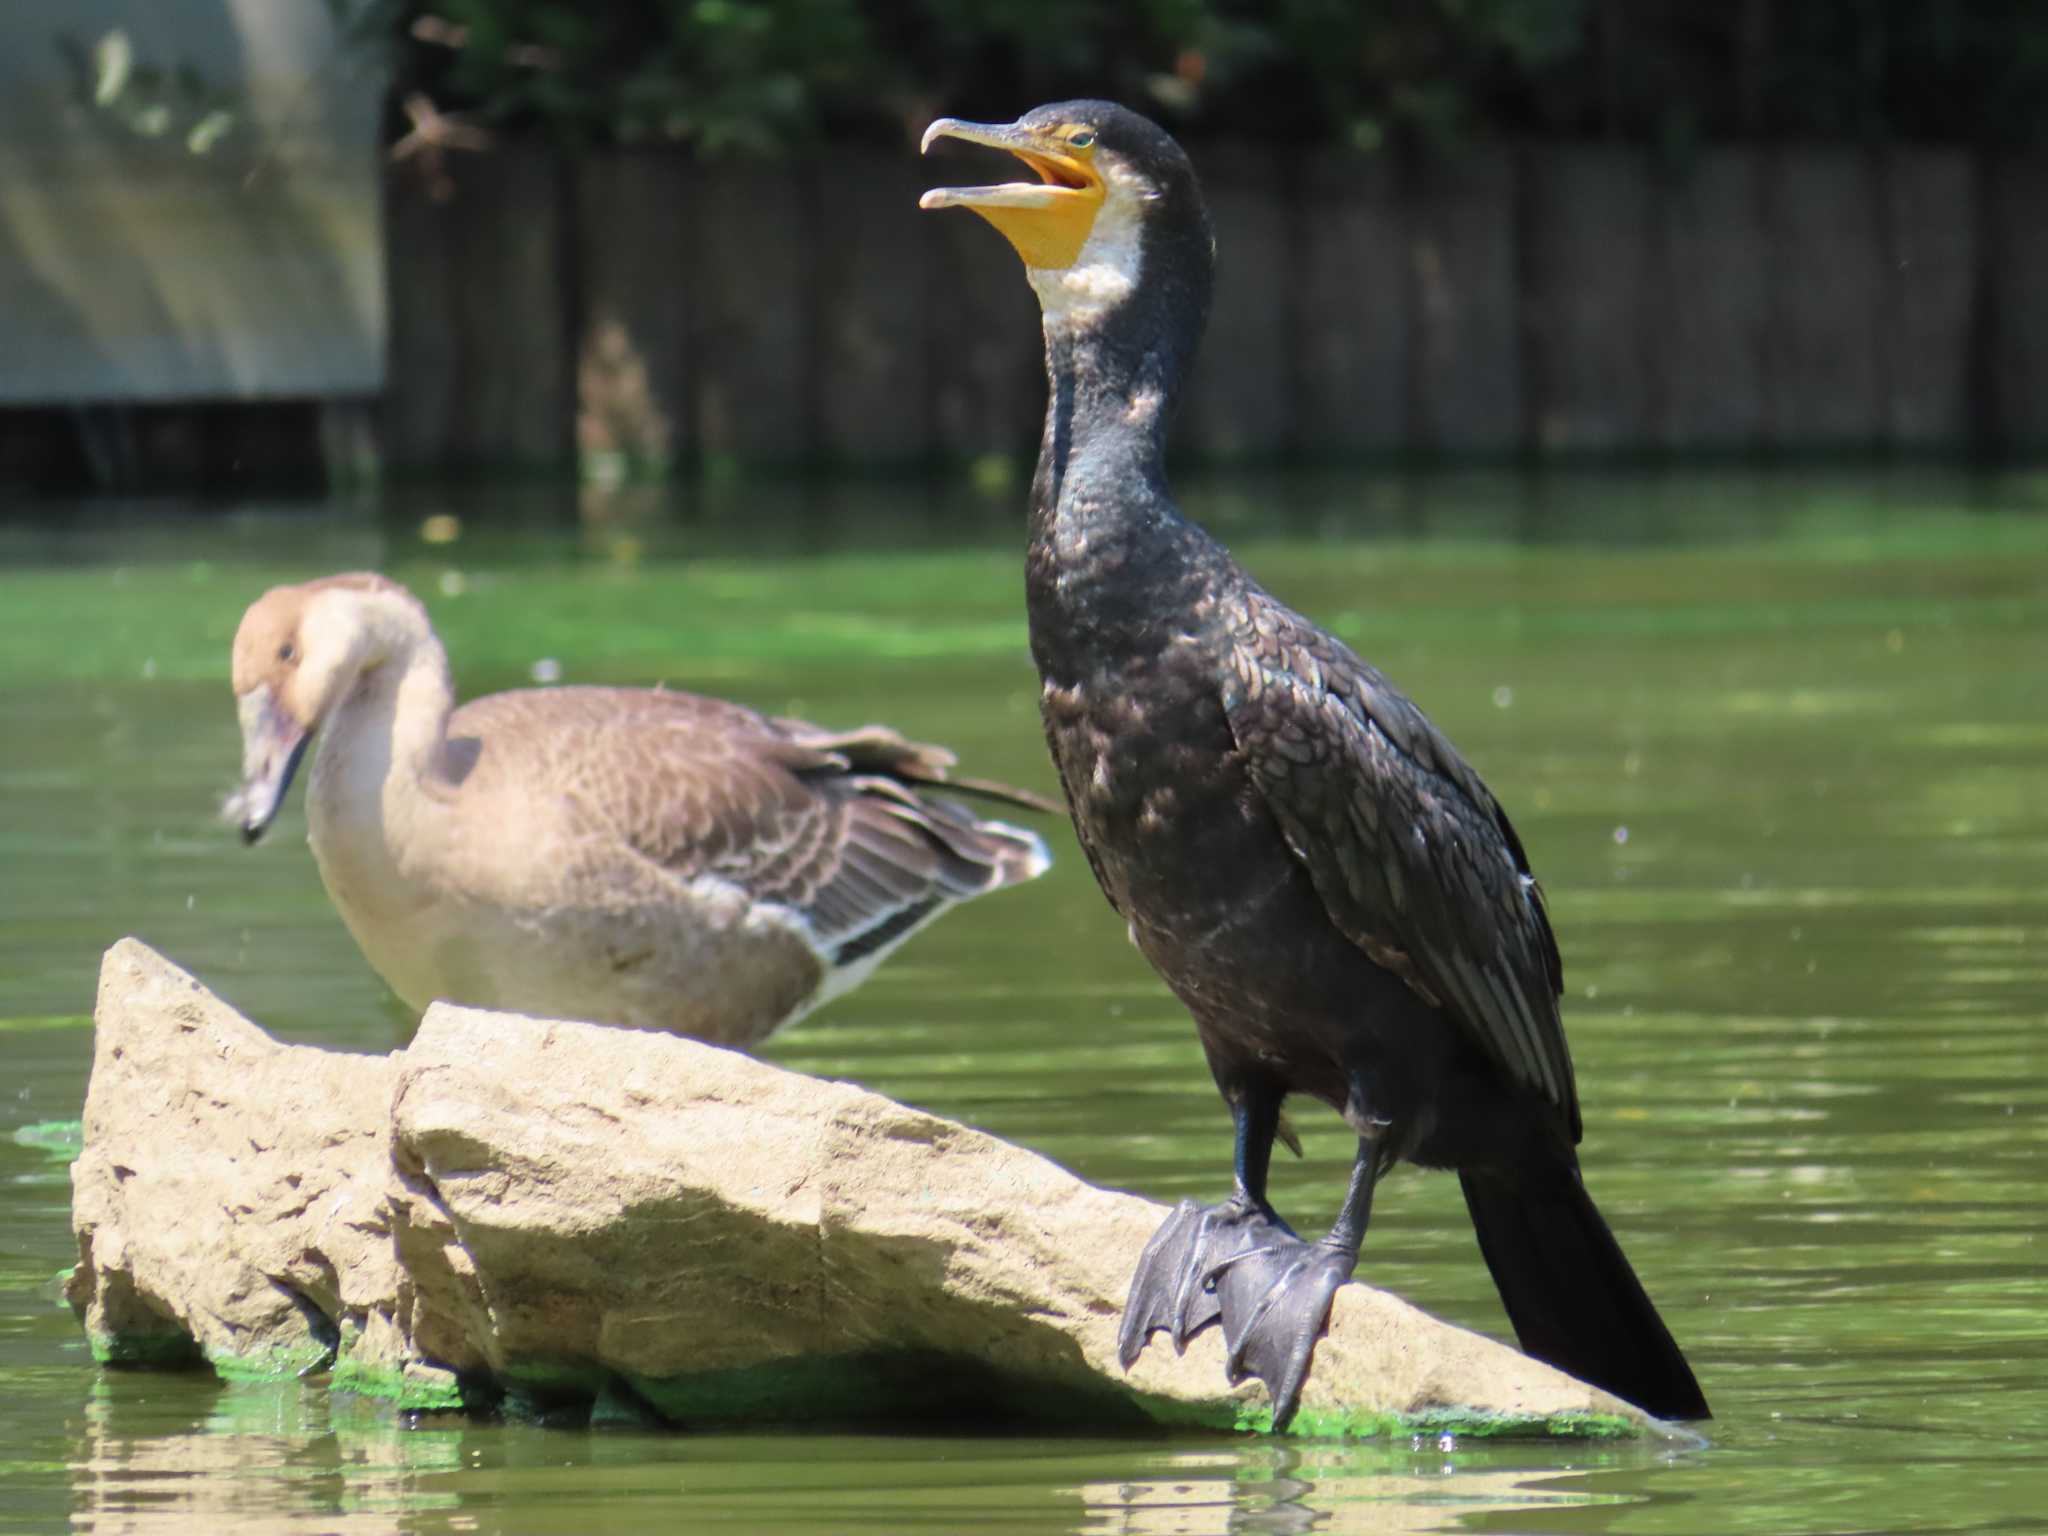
723 75
150 100
764 75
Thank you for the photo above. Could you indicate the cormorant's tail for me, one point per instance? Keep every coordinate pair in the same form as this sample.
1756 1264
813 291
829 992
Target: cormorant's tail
1569 1290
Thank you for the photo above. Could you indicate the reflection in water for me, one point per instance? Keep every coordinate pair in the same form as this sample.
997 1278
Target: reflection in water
278 1457
1402 1490
254 1458
1777 752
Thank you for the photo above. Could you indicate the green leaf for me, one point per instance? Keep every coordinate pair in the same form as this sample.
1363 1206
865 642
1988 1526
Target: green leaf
150 119
209 131
113 62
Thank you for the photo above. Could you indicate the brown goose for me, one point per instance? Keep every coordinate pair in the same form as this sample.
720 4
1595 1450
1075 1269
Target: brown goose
631 856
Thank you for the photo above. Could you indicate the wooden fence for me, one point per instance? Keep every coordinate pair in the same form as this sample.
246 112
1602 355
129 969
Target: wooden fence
638 310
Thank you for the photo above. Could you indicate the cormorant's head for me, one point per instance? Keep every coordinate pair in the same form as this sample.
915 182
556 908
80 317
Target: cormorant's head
1115 201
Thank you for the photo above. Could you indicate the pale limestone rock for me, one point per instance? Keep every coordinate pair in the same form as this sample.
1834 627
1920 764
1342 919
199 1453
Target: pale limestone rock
228 1183
566 1211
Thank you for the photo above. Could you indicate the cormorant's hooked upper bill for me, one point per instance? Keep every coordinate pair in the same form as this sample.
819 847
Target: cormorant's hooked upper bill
1048 220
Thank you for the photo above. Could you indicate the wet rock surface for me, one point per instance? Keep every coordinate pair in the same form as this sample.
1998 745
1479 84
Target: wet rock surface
567 1218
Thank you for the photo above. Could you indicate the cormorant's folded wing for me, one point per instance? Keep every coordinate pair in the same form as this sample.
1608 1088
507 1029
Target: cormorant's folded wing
1414 860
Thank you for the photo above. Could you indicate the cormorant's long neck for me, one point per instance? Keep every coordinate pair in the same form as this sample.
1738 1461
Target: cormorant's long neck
1113 372
1109 552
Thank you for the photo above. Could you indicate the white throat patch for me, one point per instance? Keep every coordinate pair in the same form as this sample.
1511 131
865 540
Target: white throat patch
1107 270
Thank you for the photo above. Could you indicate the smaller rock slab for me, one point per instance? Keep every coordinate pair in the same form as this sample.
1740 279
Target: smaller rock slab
553 1216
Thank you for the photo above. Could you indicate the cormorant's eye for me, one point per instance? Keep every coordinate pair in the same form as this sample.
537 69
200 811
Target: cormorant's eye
1081 138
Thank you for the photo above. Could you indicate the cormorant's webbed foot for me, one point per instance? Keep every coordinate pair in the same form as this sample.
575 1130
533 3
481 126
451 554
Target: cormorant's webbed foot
1172 1290
1274 1300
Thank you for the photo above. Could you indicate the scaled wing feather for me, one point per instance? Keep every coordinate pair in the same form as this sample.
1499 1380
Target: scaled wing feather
1414 860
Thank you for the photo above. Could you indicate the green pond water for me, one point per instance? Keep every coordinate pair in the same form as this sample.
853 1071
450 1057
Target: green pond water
1778 746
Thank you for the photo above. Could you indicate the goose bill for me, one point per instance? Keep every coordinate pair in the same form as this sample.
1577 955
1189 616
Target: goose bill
272 745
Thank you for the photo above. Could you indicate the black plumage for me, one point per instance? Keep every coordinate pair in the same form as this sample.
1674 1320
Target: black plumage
1309 864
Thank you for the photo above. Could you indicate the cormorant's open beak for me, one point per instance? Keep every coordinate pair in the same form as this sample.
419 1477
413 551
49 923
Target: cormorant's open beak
272 744
1047 220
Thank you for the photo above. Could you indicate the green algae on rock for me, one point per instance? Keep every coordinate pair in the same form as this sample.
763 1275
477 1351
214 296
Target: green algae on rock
413 1387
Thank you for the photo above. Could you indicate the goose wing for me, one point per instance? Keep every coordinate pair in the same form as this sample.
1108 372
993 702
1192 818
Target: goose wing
829 825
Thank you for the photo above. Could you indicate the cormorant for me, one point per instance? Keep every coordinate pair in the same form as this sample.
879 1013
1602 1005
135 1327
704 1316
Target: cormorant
1303 857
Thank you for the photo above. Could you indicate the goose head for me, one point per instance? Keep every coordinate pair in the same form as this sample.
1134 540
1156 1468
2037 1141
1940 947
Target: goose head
300 652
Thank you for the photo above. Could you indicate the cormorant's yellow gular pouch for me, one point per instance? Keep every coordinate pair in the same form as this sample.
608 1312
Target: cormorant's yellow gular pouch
1048 220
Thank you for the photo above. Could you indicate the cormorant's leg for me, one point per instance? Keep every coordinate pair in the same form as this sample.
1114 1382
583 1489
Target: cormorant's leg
1171 1289
1274 1298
